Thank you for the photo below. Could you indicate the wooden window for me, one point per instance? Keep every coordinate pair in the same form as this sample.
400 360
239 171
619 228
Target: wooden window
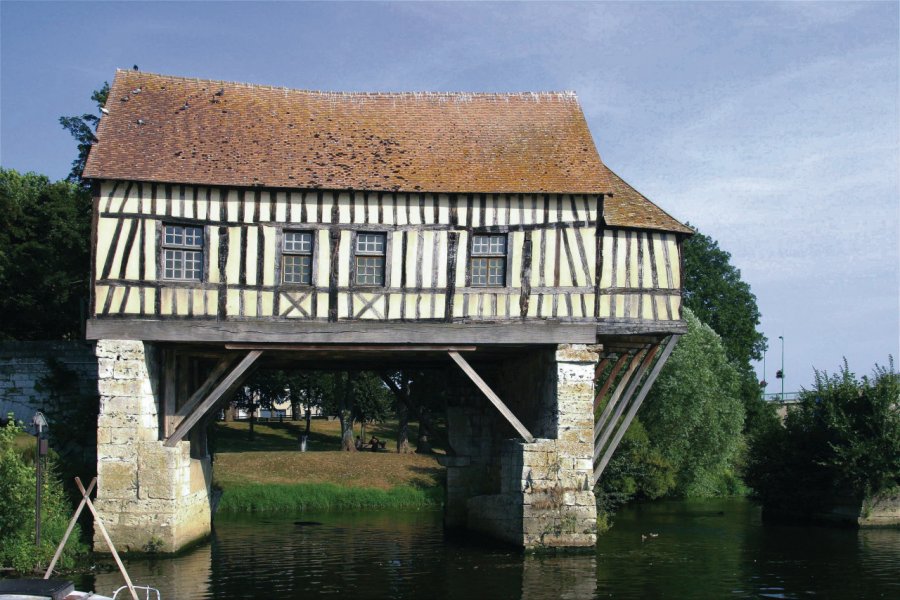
182 248
296 257
487 261
370 253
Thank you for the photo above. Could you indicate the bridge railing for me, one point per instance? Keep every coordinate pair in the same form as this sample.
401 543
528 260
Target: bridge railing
786 398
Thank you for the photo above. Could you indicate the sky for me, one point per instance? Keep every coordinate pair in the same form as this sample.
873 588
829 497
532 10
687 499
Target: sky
772 127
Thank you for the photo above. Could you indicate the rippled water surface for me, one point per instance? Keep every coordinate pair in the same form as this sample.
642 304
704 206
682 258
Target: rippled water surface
709 549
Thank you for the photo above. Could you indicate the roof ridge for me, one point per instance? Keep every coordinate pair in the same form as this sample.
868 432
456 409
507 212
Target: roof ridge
565 95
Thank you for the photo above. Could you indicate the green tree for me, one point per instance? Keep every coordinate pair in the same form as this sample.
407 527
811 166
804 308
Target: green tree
44 257
843 437
83 129
694 415
716 294
17 487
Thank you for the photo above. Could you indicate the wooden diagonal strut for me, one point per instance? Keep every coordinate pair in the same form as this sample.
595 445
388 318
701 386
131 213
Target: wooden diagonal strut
617 393
228 384
86 500
495 400
623 402
645 389
612 377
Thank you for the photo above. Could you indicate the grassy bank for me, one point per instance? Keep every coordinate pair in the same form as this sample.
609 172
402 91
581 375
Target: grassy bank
268 473
296 497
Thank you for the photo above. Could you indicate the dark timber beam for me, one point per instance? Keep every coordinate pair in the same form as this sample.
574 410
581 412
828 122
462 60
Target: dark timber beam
612 376
617 393
342 332
227 385
645 389
495 400
606 432
350 348
202 392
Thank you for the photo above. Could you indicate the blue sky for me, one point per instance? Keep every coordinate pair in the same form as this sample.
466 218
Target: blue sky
773 127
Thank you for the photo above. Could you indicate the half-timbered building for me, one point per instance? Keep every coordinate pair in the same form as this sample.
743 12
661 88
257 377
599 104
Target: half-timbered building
237 223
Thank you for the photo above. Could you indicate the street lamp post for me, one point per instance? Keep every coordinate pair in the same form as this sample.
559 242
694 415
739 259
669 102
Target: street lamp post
781 337
41 450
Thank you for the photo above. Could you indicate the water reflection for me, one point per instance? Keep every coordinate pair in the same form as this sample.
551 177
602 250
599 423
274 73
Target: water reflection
700 549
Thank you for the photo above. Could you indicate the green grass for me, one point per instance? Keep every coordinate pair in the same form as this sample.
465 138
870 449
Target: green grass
296 497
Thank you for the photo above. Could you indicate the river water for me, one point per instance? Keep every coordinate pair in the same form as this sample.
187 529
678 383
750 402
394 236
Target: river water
699 549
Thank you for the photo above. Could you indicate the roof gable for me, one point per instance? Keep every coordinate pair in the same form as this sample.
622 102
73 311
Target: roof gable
172 129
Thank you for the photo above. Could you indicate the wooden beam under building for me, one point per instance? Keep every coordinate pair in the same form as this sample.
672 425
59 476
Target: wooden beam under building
226 386
495 400
632 411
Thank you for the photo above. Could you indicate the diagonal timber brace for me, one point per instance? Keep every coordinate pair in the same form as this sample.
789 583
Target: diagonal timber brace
202 402
635 405
604 429
495 400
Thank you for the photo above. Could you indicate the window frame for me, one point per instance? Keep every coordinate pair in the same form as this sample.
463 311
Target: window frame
163 246
284 253
505 256
384 255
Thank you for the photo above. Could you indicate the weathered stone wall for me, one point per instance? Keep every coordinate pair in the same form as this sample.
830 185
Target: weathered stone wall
25 368
545 497
149 496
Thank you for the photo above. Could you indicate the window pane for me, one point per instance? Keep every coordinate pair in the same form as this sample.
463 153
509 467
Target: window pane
369 270
488 272
488 244
192 265
297 241
178 235
297 269
193 237
370 243
479 271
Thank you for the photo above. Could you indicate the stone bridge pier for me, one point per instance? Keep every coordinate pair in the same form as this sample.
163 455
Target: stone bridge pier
537 494
532 493
149 496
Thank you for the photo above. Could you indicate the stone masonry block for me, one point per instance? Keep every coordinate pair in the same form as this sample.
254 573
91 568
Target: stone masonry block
577 353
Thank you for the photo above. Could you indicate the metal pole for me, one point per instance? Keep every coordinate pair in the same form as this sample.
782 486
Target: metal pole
39 422
781 337
37 489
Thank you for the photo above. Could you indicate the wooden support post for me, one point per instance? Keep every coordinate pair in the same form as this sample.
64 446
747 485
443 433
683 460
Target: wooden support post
670 345
74 519
188 407
612 377
169 386
617 393
228 384
495 400
623 402
112 549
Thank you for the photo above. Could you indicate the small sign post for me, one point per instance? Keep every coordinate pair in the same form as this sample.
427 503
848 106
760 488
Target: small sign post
40 422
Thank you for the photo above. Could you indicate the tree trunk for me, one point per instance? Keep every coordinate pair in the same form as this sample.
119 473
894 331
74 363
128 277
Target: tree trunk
252 419
229 412
344 414
423 446
308 419
362 432
403 429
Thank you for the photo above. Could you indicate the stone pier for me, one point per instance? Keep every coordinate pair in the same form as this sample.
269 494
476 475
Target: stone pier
535 495
149 497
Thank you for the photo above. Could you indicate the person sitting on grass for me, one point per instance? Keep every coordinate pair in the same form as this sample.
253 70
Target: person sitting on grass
358 443
373 444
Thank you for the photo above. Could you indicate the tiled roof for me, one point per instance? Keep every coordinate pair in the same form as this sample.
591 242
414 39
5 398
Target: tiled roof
627 207
173 129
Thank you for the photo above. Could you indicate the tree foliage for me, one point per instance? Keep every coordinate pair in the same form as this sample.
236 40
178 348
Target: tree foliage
716 294
82 129
17 489
843 436
694 415
44 257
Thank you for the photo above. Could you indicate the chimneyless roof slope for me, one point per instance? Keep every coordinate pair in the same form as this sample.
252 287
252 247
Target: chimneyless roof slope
627 207
173 129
